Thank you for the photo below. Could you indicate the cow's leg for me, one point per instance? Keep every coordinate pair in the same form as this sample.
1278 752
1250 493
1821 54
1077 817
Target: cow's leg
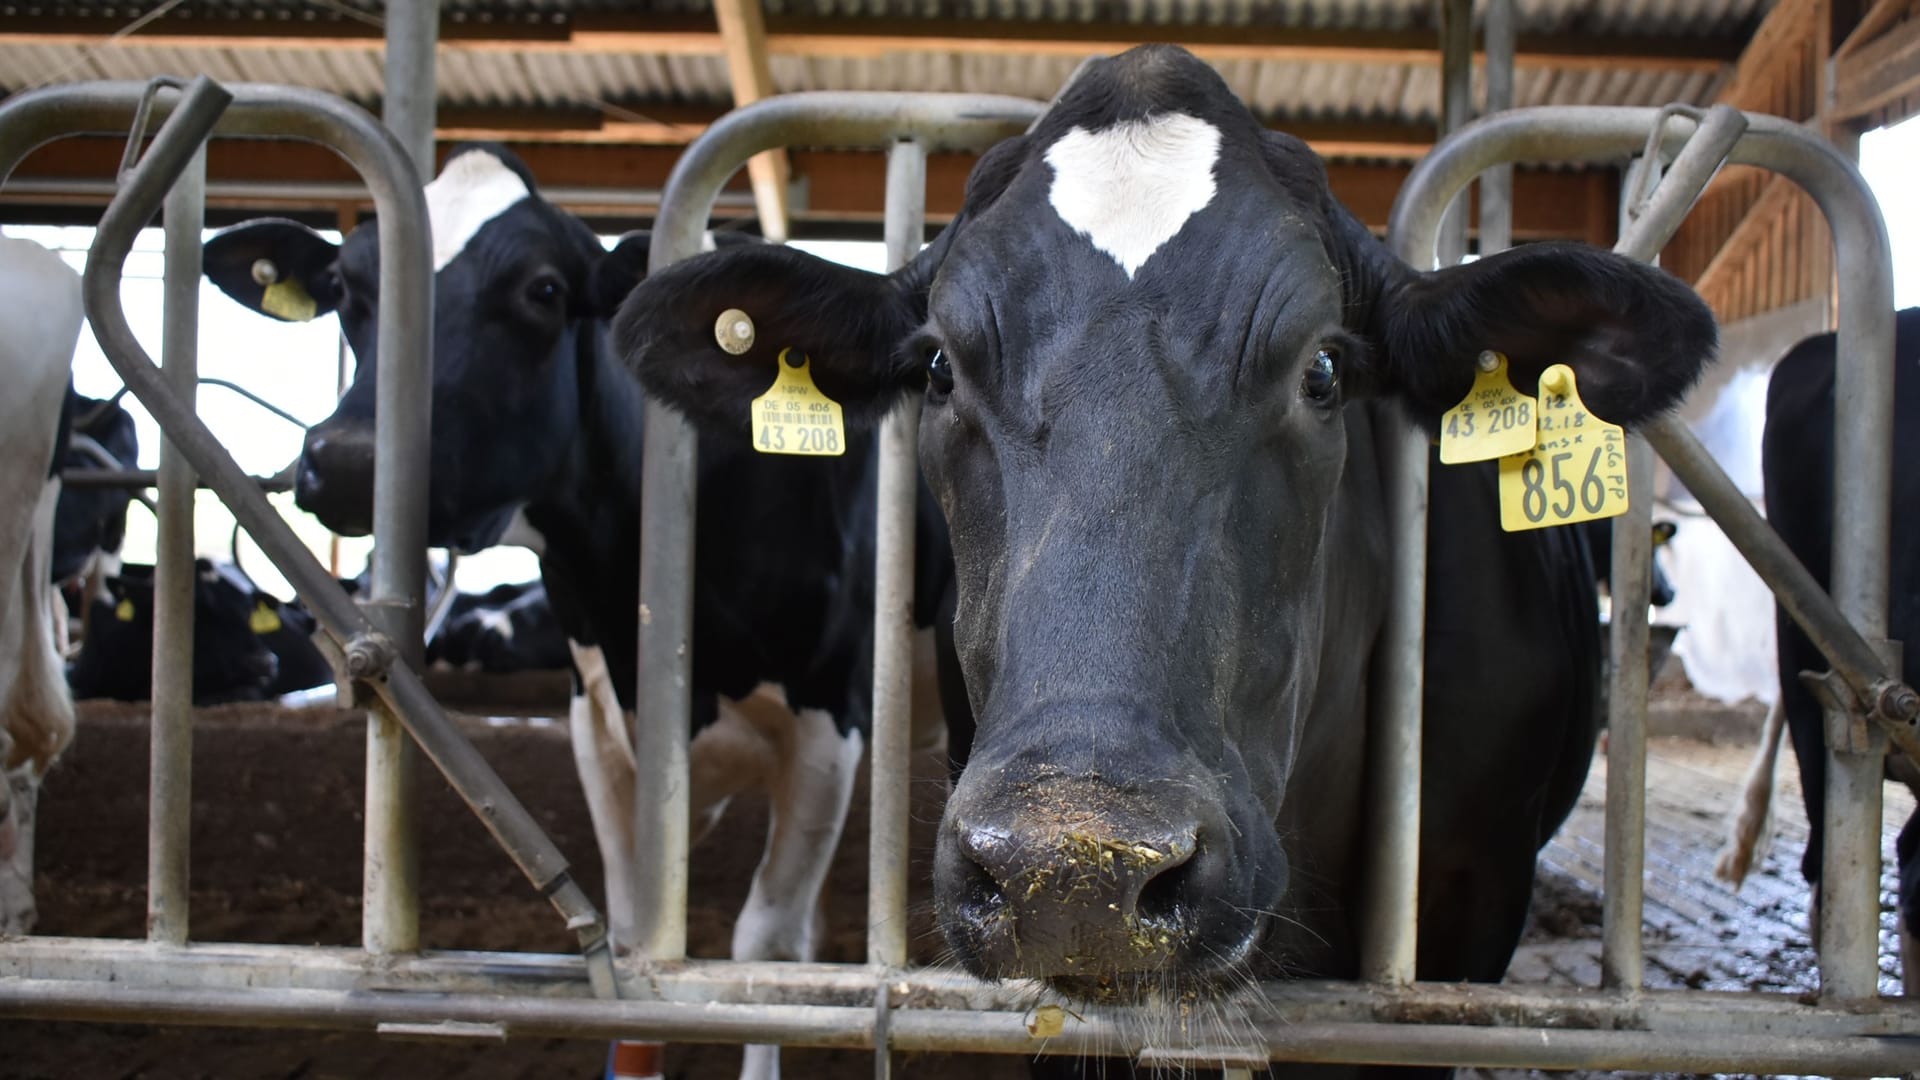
603 755
807 794
18 791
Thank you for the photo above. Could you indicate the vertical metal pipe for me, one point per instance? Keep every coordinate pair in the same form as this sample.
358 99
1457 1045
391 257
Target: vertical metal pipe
1390 933
390 920
1631 586
408 110
1863 491
1456 110
1496 184
892 761
171 760
665 698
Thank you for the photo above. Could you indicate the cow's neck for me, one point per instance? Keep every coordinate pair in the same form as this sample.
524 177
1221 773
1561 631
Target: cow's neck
588 515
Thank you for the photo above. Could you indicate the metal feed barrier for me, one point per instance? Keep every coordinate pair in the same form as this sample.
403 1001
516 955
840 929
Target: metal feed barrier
392 987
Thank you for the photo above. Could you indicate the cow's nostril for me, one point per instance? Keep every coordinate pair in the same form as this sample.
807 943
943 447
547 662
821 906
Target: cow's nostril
1165 896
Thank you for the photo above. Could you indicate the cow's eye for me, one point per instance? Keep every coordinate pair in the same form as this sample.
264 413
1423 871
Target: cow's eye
1321 382
939 372
546 289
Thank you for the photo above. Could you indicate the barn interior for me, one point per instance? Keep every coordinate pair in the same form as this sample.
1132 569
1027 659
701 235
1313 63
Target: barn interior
600 98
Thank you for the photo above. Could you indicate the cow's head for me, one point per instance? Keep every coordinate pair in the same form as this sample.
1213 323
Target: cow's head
518 288
1142 342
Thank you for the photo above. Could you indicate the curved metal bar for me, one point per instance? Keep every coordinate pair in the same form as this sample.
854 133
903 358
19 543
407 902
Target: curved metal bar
31 119
1863 394
937 122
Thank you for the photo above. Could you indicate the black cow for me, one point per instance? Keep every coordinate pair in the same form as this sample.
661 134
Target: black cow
93 520
533 413
1156 354
231 661
1797 463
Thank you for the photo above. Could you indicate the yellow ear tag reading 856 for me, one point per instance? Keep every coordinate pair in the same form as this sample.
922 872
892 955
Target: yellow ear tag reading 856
1577 469
1493 420
794 417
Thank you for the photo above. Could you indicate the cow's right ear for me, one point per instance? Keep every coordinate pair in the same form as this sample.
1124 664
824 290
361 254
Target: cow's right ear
614 274
850 323
276 267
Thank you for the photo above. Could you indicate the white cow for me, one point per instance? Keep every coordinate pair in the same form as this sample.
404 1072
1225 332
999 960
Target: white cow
38 330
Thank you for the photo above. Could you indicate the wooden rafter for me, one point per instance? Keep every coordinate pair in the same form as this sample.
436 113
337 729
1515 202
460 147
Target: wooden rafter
1879 69
844 38
743 32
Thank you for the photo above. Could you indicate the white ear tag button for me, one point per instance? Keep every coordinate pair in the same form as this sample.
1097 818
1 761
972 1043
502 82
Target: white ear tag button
733 330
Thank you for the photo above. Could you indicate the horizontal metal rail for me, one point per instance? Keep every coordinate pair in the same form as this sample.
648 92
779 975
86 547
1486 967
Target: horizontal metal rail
138 479
536 996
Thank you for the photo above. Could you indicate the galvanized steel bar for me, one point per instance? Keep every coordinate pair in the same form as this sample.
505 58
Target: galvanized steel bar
893 616
170 760
1499 33
1644 230
1456 110
1863 393
1292 1038
1631 588
30 119
390 871
830 119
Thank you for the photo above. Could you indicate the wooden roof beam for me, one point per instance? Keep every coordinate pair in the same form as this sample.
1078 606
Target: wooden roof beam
824 38
743 32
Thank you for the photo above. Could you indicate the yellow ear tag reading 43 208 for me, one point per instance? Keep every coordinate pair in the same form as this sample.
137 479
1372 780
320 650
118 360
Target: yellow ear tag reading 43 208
1493 420
794 417
1576 470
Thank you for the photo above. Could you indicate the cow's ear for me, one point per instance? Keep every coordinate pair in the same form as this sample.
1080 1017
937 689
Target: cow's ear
1636 336
850 323
615 274
276 267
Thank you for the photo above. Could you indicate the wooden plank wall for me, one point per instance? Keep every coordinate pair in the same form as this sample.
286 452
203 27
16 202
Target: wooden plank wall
1756 243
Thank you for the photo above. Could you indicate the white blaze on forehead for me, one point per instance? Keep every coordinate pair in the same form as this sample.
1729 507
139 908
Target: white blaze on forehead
473 189
1131 187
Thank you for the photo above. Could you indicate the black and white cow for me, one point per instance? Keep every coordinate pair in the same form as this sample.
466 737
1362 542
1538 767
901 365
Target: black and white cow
1797 462
39 325
1156 354
533 414
91 523
247 645
508 628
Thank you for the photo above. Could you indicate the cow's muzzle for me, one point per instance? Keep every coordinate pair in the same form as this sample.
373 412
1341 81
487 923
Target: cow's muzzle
335 479
1103 892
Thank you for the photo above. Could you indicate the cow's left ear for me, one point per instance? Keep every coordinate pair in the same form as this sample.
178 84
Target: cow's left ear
849 323
1636 336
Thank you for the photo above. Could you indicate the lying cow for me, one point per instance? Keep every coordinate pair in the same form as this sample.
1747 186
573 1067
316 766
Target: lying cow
1156 354
38 331
247 645
507 628
1797 461
532 412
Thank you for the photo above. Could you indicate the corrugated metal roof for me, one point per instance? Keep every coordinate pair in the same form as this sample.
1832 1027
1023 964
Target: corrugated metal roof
1322 91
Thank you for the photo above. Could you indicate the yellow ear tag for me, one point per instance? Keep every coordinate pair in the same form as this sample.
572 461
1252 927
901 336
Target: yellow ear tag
1577 469
1493 420
287 299
264 619
123 611
794 417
